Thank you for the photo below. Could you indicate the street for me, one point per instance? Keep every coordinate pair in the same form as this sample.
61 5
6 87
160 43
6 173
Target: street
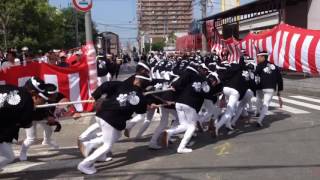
286 148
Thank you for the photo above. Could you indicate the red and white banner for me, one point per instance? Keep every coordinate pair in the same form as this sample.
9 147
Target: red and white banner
73 82
218 44
290 47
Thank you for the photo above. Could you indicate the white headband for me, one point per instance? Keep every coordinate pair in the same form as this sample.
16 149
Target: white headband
144 78
43 96
144 65
263 54
35 84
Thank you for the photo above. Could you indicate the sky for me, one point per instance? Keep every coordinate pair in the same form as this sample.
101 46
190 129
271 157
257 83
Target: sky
120 16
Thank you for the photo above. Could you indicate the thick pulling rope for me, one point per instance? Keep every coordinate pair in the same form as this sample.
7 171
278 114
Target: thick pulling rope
92 101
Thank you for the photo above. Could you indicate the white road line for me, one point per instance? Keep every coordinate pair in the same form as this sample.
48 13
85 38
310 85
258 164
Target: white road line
306 98
289 109
285 108
299 103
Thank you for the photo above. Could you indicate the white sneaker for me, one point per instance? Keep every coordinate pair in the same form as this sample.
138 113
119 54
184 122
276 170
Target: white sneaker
154 146
51 144
84 168
184 150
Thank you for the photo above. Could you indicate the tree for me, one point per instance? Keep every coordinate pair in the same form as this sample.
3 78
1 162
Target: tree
36 24
69 25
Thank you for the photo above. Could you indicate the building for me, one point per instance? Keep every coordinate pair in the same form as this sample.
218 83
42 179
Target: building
265 14
157 19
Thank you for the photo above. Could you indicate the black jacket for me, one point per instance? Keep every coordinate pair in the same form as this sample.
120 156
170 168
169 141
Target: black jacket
16 109
125 100
268 76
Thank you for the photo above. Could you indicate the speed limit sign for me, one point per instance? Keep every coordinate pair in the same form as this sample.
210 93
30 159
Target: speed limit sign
82 5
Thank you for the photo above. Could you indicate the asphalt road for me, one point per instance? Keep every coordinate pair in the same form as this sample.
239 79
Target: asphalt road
288 147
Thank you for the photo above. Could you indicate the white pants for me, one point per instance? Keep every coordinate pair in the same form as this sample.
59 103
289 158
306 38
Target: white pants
211 111
101 80
146 118
233 96
90 132
245 100
31 134
164 121
188 117
6 154
110 135
264 98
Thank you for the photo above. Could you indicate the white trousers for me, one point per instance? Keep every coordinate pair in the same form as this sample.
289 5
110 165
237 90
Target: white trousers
188 117
211 111
6 154
264 98
146 118
31 133
245 100
101 80
90 132
233 96
110 135
164 121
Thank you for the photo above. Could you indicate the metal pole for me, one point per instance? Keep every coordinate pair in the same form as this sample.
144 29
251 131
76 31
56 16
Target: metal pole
88 25
76 28
204 14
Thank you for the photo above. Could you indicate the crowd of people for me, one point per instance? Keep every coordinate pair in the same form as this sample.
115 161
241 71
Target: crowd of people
199 92
190 88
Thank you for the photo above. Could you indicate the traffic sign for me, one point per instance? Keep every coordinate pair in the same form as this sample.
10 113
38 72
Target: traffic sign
82 5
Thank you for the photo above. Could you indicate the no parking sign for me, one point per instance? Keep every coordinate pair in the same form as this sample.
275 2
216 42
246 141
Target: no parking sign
82 5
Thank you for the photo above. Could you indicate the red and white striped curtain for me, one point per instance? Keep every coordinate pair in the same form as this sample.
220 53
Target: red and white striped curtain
290 47
218 44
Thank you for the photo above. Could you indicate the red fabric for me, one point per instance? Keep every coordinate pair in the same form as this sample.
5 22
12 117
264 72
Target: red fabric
72 82
290 47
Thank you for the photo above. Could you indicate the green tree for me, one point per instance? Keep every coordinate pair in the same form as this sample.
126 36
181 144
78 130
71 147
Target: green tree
38 25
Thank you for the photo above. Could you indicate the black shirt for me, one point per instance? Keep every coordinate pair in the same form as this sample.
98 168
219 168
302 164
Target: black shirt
125 100
191 89
16 107
268 76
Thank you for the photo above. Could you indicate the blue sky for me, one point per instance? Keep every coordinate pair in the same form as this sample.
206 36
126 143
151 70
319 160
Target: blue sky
120 15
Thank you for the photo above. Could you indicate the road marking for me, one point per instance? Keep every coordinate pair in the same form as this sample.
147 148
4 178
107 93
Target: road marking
307 98
289 109
299 103
223 149
285 108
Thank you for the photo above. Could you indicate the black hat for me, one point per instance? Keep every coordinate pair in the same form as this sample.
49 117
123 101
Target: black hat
38 85
51 89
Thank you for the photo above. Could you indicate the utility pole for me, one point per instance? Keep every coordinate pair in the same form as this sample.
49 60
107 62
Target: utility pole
76 27
88 25
204 14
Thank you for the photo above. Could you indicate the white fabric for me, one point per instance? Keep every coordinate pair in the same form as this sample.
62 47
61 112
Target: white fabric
102 79
233 96
6 154
187 119
245 100
31 133
109 136
90 132
264 98
132 122
211 111
146 122
163 123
